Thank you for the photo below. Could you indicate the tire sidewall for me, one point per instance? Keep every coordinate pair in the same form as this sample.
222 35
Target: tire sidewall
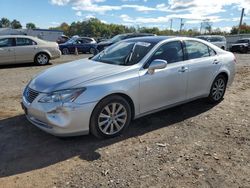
94 128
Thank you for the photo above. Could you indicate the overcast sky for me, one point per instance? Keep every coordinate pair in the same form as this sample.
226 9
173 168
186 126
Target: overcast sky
46 13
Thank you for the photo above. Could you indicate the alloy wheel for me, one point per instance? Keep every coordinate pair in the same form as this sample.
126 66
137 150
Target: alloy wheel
218 89
112 118
42 59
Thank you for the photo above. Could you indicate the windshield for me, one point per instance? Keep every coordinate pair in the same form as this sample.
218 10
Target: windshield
71 40
117 38
124 53
243 41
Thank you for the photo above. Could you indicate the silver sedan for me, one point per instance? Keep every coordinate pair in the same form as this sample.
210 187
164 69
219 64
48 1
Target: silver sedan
27 49
126 81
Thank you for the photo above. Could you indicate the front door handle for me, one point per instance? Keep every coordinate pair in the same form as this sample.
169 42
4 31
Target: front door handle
216 61
183 69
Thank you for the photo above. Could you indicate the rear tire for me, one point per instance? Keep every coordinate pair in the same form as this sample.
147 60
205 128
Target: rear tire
42 59
65 51
111 117
218 89
92 51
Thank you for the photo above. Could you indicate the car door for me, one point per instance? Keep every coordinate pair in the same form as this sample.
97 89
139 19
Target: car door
203 65
25 50
79 45
7 52
166 86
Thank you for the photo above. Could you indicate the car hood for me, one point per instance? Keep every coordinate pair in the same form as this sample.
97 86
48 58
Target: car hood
68 75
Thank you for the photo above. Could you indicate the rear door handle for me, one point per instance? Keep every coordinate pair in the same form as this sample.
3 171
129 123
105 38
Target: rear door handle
183 69
216 61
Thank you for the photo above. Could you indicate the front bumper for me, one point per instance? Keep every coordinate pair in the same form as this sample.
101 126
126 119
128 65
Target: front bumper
59 119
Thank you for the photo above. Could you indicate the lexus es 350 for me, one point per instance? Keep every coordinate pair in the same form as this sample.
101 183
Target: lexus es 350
128 80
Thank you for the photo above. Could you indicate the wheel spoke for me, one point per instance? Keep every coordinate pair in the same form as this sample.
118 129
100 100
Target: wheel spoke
112 128
103 122
119 109
107 126
107 109
113 108
102 115
121 114
117 125
121 120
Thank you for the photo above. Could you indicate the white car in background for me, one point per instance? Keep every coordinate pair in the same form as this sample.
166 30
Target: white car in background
217 40
27 49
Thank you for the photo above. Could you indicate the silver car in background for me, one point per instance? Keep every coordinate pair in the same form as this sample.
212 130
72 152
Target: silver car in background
128 80
27 49
217 40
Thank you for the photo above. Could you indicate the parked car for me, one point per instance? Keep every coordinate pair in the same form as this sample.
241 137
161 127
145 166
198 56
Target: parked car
27 49
128 80
104 44
82 44
62 39
217 40
242 46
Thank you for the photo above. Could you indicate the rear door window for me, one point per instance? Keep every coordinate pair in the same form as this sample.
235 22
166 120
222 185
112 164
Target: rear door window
196 49
6 42
24 42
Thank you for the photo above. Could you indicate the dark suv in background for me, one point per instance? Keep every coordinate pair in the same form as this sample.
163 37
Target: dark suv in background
241 45
102 45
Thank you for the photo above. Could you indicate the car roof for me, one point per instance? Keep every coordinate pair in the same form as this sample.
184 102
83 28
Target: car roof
16 36
210 36
150 39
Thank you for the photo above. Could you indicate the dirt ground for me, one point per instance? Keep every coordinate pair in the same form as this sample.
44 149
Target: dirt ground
192 145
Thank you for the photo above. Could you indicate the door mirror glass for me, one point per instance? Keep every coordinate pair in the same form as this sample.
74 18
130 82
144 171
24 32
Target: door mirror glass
157 64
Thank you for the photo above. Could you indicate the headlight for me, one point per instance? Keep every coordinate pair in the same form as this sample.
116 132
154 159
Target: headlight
62 96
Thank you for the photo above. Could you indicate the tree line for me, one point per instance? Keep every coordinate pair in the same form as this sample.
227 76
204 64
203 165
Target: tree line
95 28
15 24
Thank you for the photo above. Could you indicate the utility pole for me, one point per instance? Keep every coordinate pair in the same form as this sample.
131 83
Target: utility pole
201 27
241 19
171 24
181 24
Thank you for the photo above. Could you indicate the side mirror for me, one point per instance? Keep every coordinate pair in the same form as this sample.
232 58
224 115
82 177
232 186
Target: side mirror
157 64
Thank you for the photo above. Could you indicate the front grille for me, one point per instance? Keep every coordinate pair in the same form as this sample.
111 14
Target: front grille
30 94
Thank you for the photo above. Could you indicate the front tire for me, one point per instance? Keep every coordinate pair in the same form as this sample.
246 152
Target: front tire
111 117
218 89
42 59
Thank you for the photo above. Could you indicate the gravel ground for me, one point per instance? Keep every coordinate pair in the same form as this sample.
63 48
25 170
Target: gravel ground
192 145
